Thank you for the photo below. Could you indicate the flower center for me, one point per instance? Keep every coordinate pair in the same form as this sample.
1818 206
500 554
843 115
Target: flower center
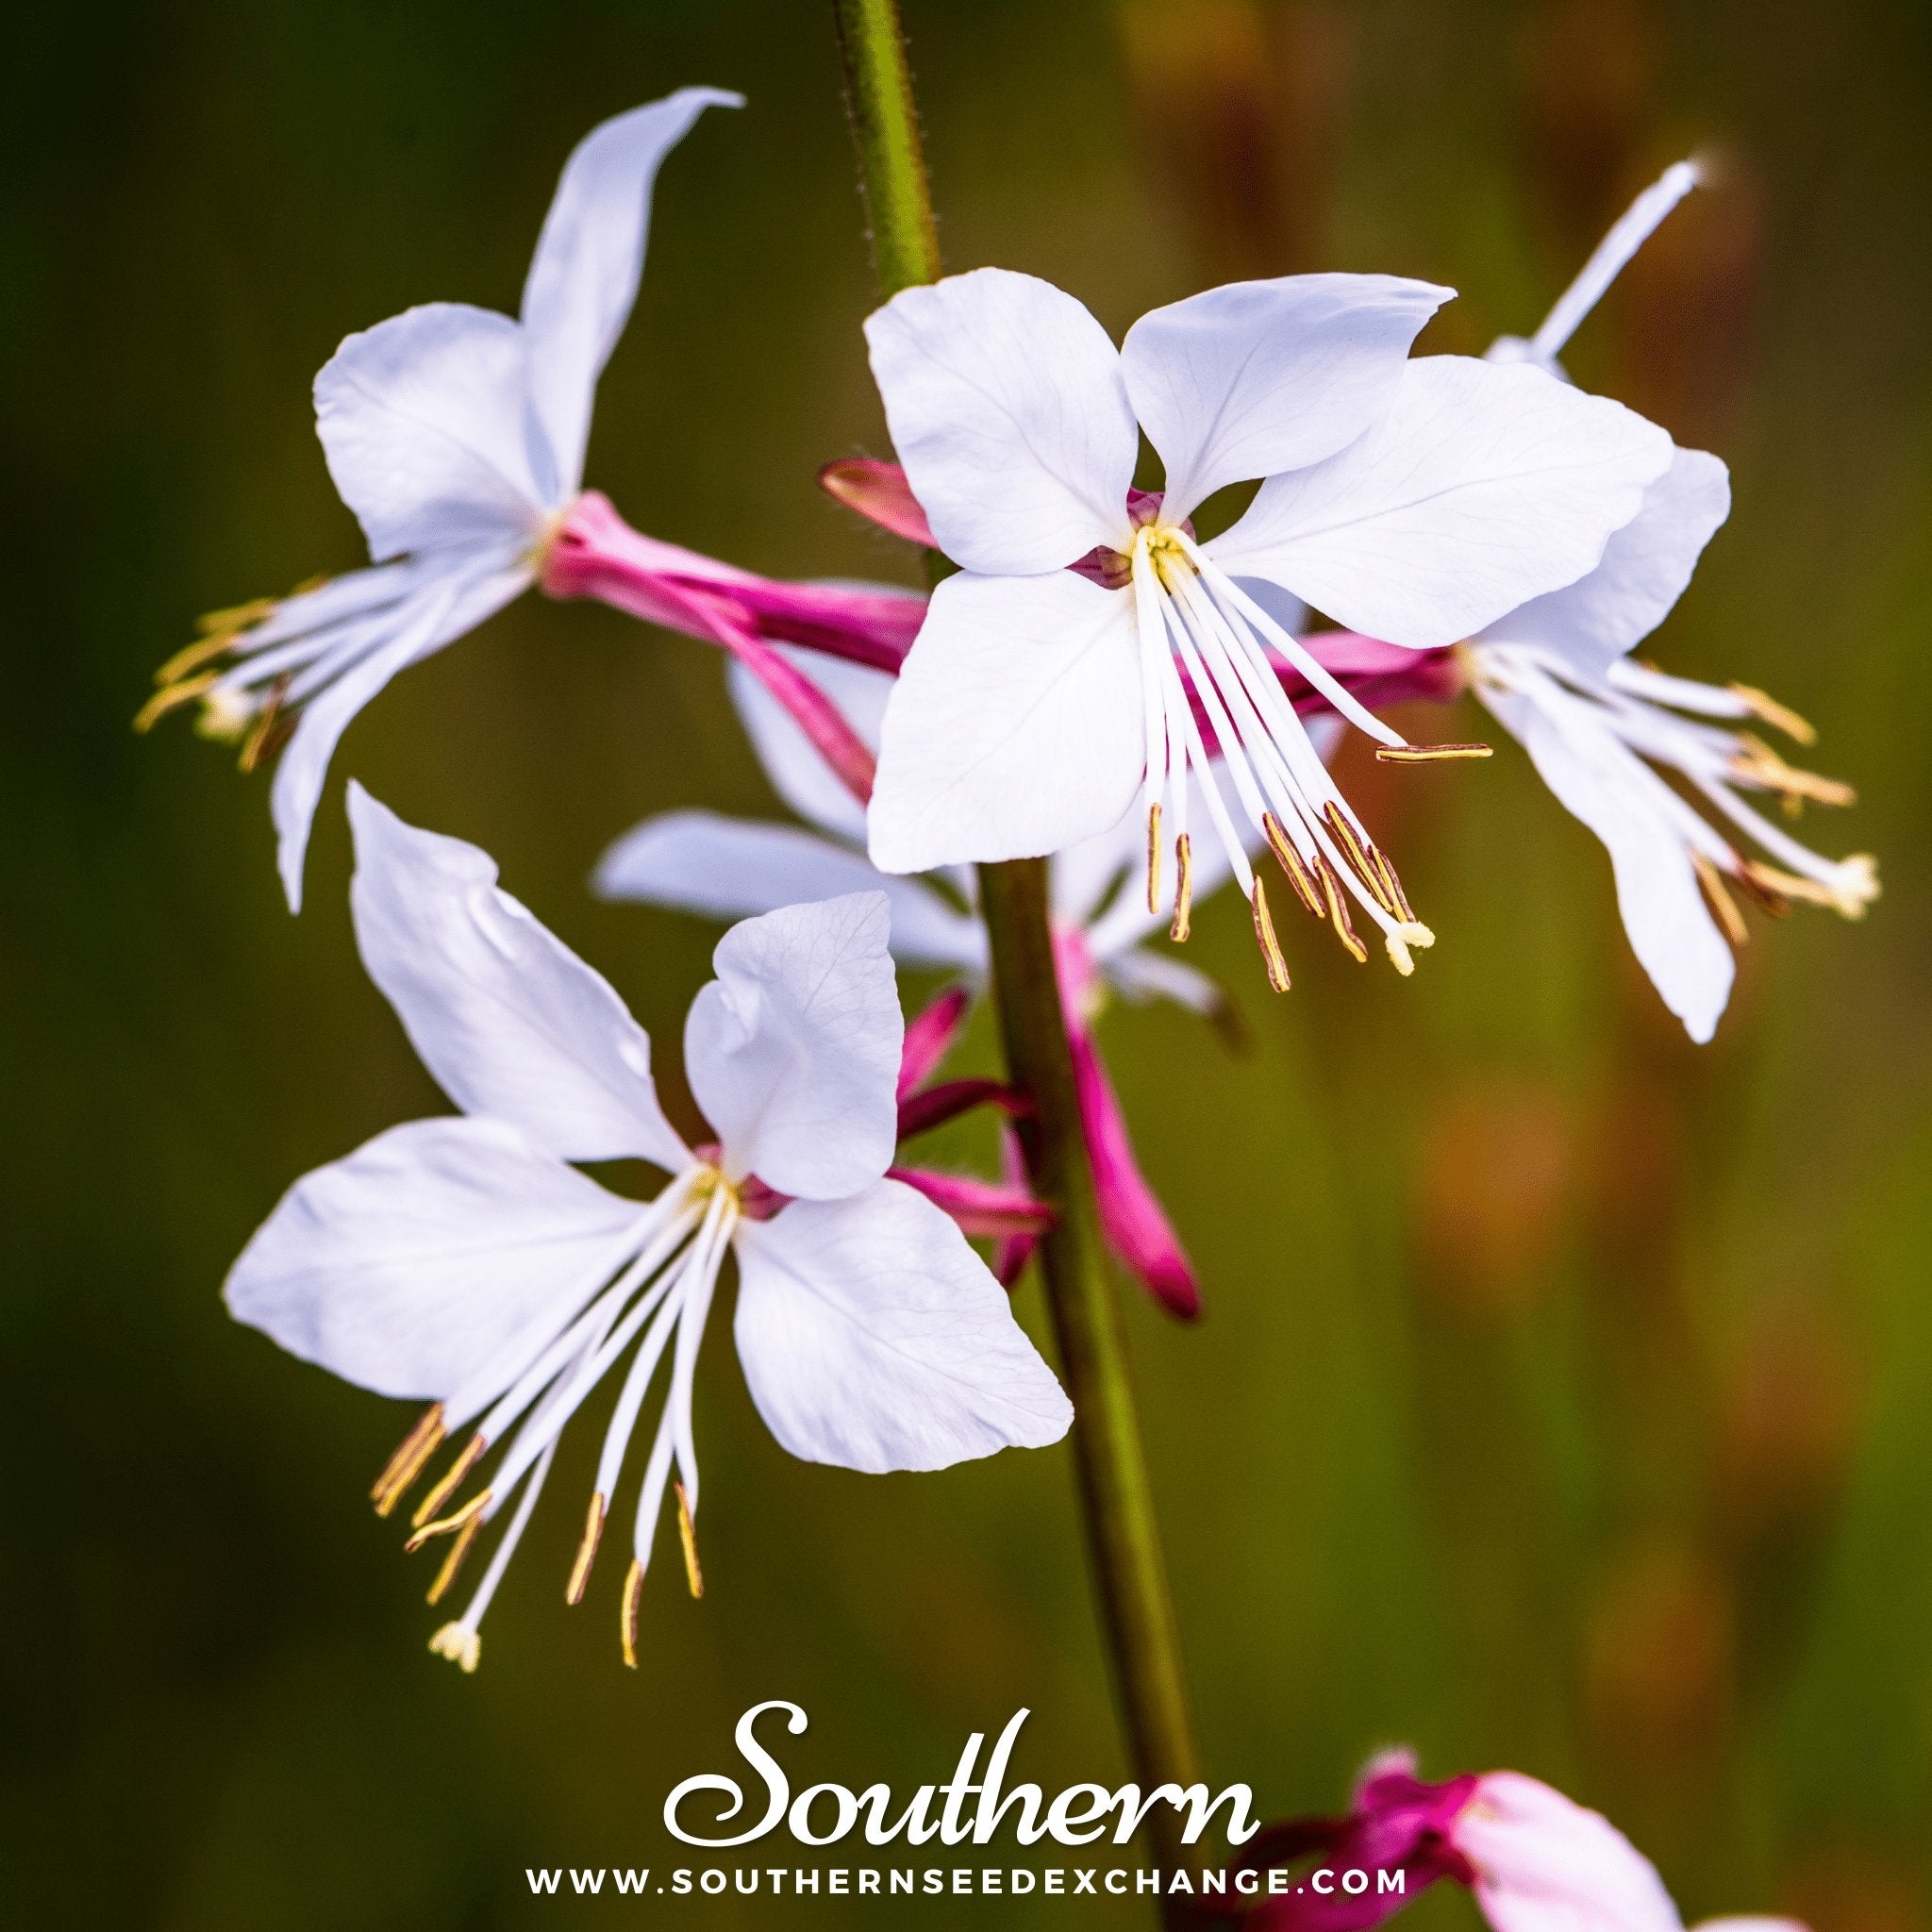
1165 546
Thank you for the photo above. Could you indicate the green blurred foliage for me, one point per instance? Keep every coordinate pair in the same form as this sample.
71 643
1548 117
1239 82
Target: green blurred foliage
1565 1398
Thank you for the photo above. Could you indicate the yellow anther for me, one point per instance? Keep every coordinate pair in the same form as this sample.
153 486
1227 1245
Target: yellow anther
1855 885
446 1485
1291 862
587 1550
454 1562
237 617
1755 763
1779 717
460 1644
1429 754
1337 912
268 727
170 698
628 1612
406 1465
687 1536
1271 947
1154 856
1358 849
1183 889
201 651
449 1524
1723 908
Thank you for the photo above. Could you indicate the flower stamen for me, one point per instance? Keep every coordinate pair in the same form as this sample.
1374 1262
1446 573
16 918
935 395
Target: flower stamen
688 1539
406 1465
1184 888
448 1526
454 1562
628 1612
1271 956
447 1485
587 1549
1723 908
1431 754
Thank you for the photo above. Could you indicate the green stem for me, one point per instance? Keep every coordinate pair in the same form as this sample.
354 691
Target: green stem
1122 1537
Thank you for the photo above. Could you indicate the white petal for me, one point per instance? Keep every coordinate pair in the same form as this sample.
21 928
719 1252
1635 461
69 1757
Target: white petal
510 1021
1080 876
793 1050
1545 1864
1646 568
1006 407
696 861
1671 929
796 768
1256 377
1142 974
473 586
408 1266
589 257
1483 485
873 1337
424 419
1017 726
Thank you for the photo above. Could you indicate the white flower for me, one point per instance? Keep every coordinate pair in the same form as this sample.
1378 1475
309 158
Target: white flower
457 436
1057 674
466 1260
723 868
1558 675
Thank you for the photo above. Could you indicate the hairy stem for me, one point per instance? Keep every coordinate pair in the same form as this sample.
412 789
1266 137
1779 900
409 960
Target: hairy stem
1122 1537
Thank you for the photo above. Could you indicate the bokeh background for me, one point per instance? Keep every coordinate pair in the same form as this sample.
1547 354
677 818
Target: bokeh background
1565 1398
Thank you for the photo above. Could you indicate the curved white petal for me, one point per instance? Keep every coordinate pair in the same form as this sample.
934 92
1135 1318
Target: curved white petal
1545 1864
1017 727
1252 378
697 862
793 1050
459 596
1006 407
584 275
408 1266
508 1020
425 420
796 766
873 1337
1484 485
1140 972
1671 929
1646 568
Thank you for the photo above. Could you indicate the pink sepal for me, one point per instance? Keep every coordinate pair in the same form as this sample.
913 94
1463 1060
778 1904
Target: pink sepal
1132 1218
1370 671
596 554
929 1037
880 494
1398 1824
984 1207
933 1107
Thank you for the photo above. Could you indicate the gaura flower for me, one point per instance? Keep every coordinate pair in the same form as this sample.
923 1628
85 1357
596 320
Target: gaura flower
1055 676
724 868
1600 727
467 1260
1535 1861
457 436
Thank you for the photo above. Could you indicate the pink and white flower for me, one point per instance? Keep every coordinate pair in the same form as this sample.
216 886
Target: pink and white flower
724 868
1534 1861
457 436
1057 675
466 1260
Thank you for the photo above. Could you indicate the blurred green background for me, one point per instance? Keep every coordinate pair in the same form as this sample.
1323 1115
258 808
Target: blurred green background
1565 1398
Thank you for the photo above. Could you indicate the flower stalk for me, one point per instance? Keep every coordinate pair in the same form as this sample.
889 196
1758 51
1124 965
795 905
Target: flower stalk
1115 1490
